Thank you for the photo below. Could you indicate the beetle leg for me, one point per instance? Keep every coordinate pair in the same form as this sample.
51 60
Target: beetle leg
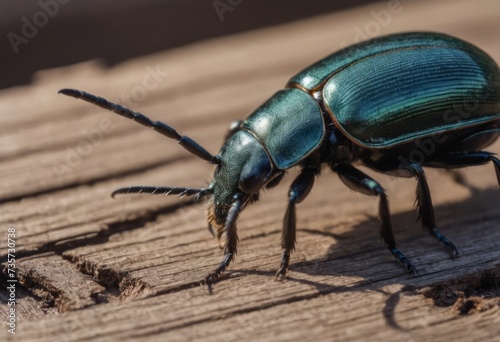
425 209
362 183
299 189
463 159
231 241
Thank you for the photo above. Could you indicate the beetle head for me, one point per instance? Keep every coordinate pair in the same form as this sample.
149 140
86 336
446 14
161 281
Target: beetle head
243 166
244 169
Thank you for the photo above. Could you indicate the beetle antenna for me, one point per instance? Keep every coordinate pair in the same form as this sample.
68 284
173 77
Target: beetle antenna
164 190
160 127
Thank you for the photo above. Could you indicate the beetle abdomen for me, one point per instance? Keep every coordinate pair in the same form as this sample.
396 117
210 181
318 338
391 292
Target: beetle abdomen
394 89
315 76
392 98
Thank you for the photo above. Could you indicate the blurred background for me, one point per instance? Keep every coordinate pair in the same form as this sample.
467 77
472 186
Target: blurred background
190 63
49 33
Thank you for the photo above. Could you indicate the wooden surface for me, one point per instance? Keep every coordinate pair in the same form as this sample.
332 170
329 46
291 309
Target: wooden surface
94 268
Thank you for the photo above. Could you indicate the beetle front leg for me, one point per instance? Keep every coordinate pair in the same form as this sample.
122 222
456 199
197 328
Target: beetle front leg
229 253
299 189
231 241
425 209
362 183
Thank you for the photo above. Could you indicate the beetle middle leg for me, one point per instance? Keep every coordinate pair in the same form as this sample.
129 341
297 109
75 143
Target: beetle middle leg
299 189
362 183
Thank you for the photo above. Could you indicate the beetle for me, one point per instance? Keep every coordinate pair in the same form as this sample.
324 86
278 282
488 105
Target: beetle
372 103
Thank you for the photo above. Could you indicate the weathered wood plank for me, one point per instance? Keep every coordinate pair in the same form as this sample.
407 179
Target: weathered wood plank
145 255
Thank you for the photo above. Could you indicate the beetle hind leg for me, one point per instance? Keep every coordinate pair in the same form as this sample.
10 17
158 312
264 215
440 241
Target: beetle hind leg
425 209
462 159
449 161
362 183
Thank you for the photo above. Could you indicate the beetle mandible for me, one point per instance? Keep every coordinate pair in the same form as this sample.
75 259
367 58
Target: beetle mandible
369 103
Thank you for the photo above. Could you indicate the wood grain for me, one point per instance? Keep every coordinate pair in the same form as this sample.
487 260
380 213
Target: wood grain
96 268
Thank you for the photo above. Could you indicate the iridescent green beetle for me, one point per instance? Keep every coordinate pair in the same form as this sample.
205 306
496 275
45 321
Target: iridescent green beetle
373 103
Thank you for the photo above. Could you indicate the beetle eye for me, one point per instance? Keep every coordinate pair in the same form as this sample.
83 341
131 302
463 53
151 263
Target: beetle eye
253 176
250 183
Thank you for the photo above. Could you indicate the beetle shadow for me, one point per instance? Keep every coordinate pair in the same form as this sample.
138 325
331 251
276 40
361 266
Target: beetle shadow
367 259
353 247
360 254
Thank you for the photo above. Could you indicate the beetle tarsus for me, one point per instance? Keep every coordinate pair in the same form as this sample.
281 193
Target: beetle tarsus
444 240
211 279
282 271
404 260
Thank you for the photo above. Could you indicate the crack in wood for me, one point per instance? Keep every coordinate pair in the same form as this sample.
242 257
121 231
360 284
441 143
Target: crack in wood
118 285
466 295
